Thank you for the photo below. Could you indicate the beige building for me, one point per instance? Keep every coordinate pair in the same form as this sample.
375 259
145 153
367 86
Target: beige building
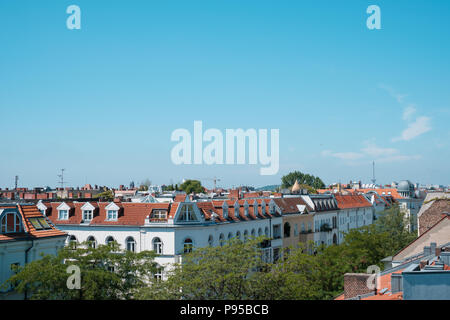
297 221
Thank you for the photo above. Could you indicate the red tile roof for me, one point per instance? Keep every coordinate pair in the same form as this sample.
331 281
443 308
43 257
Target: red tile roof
26 213
352 201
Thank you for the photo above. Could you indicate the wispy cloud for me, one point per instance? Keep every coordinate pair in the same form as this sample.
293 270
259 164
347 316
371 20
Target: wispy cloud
417 126
400 97
408 112
371 152
415 129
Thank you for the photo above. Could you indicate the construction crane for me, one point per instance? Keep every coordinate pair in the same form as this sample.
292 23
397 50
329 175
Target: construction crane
215 180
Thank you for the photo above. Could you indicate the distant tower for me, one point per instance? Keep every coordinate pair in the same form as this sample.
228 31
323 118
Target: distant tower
373 173
16 182
61 176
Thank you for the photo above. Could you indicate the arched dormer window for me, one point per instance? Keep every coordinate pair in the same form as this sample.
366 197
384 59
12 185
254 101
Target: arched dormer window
130 244
157 245
188 245
10 223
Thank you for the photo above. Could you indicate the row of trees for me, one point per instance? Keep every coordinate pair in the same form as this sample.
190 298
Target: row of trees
234 271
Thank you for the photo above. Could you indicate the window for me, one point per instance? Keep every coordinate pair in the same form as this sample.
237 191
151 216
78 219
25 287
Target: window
253 233
230 235
131 244
109 240
112 215
157 246
266 231
10 223
238 235
287 230
245 235
210 240
63 214
221 239
296 230
92 243
159 215
73 242
159 273
303 227
187 214
87 215
260 232
188 245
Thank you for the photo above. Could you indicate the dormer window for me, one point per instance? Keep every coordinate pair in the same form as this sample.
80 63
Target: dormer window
87 215
112 215
88 211
63 214
225 212
112 212
187 214
63 211
10 222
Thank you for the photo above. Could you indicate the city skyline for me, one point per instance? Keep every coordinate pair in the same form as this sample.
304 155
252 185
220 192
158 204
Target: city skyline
102 101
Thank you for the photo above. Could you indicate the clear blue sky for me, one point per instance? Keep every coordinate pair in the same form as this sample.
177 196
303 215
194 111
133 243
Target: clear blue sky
102 101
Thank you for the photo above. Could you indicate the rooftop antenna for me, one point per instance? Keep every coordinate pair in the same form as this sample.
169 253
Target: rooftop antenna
61 177
373 172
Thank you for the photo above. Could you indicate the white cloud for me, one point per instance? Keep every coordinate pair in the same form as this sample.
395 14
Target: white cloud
408 112
415 129
371 152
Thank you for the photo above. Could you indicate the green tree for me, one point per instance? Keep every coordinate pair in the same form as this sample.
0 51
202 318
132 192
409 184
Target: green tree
192 186
107 272
228 272
107 195
288 180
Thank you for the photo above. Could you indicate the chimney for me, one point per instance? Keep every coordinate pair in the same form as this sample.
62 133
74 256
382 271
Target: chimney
396 282
427 251
433 247
355 284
